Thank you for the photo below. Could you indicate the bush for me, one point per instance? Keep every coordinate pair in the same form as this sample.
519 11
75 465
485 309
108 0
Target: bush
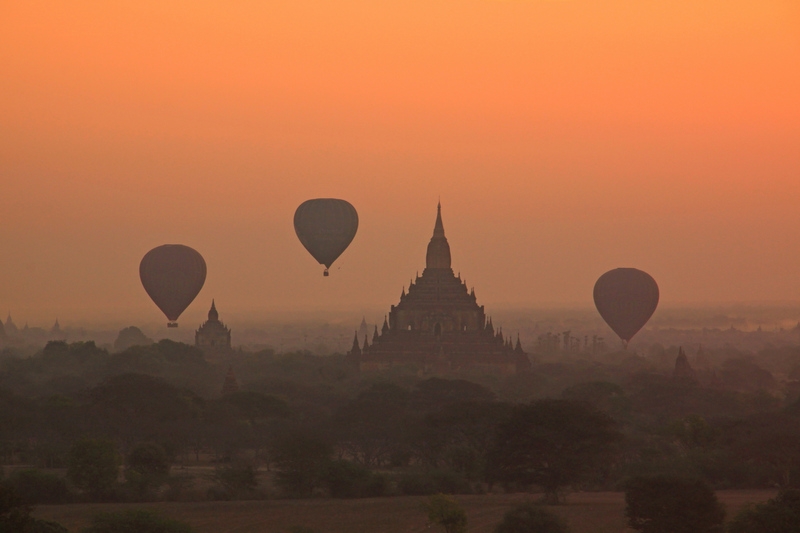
135 521
779 515
444 511
36 487
146 467
664 504
530 518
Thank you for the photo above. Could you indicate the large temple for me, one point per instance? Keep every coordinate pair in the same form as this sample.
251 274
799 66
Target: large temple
438 326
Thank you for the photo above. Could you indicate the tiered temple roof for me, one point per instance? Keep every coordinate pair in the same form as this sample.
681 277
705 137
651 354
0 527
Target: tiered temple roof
438 326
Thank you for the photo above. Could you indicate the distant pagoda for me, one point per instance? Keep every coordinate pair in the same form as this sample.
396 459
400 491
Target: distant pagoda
213 336
683 370
438 326
230 385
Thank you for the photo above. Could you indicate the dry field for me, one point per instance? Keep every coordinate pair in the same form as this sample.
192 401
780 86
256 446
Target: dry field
588 512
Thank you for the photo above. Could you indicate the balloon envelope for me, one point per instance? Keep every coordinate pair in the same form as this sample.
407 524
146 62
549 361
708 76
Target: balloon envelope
325 226
626 298
172 275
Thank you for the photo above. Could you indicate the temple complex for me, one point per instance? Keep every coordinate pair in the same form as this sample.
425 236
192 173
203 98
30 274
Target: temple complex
213 336
438 326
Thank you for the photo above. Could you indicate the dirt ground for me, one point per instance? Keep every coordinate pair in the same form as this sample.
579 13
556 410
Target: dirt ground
588 512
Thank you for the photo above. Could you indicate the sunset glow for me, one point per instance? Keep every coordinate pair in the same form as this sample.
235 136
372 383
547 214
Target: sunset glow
564 138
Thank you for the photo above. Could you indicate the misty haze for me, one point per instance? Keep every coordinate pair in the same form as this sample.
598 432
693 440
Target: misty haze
331 267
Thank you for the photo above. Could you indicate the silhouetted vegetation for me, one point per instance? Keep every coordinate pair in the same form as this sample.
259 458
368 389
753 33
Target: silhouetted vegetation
150 423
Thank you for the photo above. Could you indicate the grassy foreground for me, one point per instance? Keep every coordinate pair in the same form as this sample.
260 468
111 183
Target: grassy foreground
590 512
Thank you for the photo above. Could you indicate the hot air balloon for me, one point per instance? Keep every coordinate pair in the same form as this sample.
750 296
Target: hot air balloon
626 298
325 226
172 275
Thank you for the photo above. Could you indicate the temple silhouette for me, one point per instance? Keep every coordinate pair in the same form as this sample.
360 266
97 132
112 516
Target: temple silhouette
438 326
213 337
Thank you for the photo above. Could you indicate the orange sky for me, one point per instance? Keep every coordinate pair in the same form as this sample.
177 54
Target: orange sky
565 138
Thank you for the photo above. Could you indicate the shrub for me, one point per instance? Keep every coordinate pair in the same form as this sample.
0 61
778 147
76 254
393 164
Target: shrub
664 504
444 511
778 515
530 518
36 487
135 521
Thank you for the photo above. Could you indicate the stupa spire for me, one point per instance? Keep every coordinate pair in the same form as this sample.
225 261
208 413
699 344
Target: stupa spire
438 255
438 229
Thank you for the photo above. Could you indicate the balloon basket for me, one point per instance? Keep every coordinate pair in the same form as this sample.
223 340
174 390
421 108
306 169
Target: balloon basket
172 324
326 273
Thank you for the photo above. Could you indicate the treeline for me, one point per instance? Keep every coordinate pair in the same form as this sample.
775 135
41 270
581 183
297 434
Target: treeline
79 423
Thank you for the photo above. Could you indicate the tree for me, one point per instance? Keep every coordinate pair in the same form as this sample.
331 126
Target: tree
602 395
93 466
351 480
769 438
257 410
445 511
551 443
778 515
457 436
531 518
435 393
301 460
371 427
137 407
665 504
237 479
131 336
146 467
135 521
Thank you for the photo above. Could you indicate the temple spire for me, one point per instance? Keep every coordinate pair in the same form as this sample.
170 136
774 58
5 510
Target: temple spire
438 255
212 313
438 229
356 349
